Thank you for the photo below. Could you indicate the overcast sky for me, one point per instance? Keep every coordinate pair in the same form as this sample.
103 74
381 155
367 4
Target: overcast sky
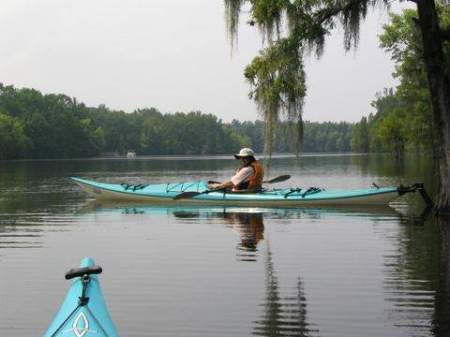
173 55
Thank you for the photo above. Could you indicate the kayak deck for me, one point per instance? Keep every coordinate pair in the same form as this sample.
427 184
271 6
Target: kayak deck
287 197
83 312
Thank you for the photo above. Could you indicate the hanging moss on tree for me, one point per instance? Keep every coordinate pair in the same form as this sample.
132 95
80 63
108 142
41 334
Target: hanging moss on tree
276 75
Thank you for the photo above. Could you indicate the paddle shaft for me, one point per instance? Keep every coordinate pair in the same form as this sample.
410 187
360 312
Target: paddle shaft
270 181
189 195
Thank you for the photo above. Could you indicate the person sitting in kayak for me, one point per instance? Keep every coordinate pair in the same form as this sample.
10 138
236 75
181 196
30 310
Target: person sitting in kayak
249 175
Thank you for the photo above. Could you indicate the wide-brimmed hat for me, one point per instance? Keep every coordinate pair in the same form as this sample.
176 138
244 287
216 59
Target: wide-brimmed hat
245 152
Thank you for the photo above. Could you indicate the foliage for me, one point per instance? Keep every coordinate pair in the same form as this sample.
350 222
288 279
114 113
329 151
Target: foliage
390 129
276 75
12 137
277 79
149 132
403 118
33 125
360 137
48 126
318 137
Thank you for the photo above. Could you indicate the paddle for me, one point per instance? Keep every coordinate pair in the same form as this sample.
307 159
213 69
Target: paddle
188 195
278 179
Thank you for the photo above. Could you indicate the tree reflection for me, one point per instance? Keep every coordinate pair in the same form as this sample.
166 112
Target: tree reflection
420 276
283 316
441 321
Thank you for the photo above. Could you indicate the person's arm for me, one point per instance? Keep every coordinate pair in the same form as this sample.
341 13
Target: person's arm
239 177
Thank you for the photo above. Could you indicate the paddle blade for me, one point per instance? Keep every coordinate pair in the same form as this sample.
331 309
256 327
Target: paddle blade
186 195
278 179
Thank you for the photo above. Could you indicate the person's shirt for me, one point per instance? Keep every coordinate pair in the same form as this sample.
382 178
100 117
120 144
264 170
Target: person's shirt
242 175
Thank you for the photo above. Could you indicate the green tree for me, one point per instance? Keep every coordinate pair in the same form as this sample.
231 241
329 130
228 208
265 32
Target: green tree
277 76
403 40
55 126
391 132
12 137
360 137
392 128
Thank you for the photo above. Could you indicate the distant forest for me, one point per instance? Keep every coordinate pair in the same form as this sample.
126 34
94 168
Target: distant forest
34 125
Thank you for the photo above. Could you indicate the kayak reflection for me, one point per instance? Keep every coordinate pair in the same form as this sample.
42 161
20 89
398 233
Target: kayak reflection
198 211
247 222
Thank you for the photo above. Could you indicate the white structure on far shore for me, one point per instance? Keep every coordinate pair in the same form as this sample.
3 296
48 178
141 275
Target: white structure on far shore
131 155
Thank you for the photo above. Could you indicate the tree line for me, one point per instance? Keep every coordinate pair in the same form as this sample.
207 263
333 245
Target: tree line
317 137
35 125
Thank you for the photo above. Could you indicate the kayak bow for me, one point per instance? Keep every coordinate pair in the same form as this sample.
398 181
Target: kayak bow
83 312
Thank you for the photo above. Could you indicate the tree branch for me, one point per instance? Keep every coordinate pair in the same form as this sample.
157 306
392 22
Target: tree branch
312 23
327 13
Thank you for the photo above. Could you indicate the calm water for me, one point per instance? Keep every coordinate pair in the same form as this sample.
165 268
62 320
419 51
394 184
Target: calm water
225 271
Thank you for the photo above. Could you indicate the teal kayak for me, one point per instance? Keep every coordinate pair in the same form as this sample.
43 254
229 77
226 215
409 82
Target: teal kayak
284 197
83 312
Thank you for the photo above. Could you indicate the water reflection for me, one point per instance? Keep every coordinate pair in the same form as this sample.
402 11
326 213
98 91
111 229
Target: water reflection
250 228
441 318
415 270
418 274
410 268
282 316
247 223
15 234
26 230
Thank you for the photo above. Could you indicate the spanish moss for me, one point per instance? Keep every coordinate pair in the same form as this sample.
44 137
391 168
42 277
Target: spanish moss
232 13
277 83
276 75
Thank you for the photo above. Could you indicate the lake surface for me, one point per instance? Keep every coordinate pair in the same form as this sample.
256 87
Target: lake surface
217 271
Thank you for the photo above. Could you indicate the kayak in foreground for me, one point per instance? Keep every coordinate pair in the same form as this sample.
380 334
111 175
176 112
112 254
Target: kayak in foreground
83 312
288 197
